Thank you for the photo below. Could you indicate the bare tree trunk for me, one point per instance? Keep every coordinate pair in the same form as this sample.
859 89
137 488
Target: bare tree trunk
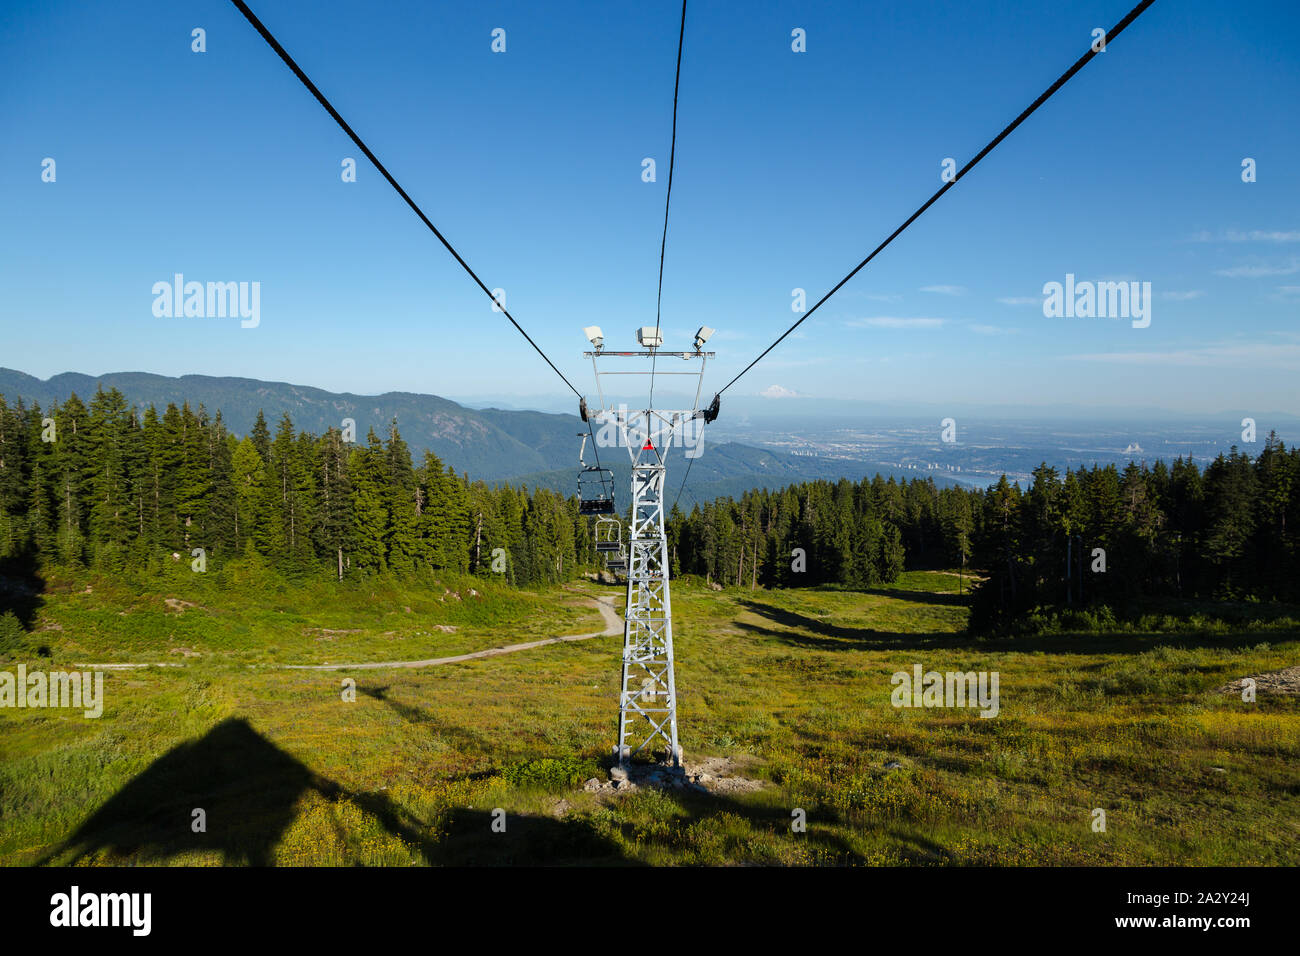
478 540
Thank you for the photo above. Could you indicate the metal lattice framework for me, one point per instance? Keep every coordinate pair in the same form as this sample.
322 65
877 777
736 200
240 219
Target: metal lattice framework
647 710
648 688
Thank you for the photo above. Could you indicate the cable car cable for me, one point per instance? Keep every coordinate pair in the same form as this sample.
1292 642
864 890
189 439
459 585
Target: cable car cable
682 487
1043 97
329 108
672 155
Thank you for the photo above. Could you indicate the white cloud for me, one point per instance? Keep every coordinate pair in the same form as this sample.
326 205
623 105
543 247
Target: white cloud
1255 272
778 391
1022 300
945 289
893 322
1260 235
1247 235
991 329
1182 296
1251 355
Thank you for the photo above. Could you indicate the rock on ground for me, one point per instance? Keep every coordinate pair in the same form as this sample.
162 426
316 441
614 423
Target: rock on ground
709 775
1285 681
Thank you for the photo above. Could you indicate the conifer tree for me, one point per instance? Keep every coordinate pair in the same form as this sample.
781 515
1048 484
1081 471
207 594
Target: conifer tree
369 508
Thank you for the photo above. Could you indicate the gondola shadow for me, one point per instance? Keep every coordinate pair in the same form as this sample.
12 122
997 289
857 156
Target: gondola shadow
247 788
245 785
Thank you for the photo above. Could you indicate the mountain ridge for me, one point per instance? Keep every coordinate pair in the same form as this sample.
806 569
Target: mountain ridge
523 447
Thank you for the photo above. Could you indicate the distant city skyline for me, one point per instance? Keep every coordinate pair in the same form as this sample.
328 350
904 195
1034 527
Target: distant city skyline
790 167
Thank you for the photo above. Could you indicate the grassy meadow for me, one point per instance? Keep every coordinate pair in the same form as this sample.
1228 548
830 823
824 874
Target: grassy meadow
790 690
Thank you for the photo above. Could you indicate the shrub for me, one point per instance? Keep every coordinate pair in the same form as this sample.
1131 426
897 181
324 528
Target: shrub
549 773
13 636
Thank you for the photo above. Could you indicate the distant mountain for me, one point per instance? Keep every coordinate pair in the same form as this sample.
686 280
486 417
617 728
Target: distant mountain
485 443
726 469
524 447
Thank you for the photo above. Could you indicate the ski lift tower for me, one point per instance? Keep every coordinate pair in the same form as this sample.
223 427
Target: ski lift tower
647 708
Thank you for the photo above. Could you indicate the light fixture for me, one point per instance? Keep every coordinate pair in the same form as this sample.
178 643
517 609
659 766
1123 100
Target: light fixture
595 335
702 336
649 337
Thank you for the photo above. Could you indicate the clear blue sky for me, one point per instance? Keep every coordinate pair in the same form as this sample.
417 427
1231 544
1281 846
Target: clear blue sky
790 167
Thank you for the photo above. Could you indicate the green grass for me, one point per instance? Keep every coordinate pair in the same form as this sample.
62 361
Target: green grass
794 686
241 616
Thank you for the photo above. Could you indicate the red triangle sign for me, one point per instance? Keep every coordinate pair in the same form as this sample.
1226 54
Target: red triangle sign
648 446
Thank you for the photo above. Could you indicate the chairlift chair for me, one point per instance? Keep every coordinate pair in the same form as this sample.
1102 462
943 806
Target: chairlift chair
595 491
595 486
609 535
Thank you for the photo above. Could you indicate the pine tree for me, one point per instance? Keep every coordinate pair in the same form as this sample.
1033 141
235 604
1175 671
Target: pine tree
247 475
220 525
107 434
334 516
261 436
369 510
403 501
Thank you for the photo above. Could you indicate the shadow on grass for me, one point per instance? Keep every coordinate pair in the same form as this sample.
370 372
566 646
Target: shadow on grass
685 827
459 737
468 837
21 588
250 790
811 632
246 786
945 598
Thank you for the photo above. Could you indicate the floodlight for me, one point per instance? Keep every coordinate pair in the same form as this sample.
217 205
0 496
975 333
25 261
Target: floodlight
702 336
596 336
649 337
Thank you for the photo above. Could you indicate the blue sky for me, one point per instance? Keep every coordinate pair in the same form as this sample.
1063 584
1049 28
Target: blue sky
790 167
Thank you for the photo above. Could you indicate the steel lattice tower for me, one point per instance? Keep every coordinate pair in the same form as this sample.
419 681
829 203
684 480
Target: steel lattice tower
649 687
647 709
